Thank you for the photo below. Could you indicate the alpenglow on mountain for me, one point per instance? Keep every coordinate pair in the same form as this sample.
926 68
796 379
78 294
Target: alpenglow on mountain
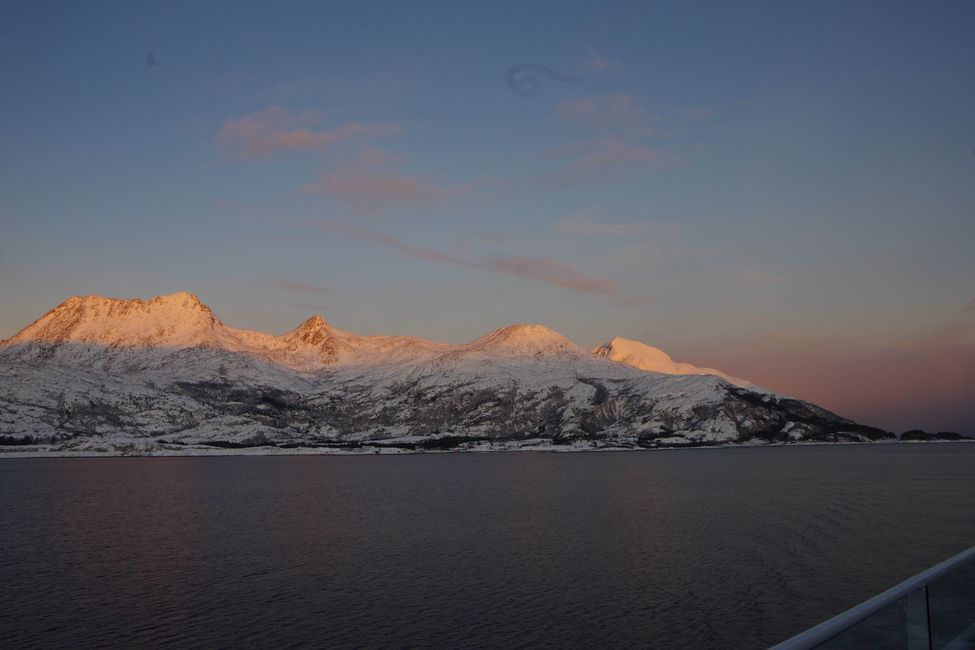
167 376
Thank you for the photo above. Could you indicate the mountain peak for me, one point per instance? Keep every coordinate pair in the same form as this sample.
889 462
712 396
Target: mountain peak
635 353
646 357
179 298
180 320
95 304
313 332
315 322
527 331
524 338
177 319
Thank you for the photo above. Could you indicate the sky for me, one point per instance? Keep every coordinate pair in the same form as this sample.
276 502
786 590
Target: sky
784 191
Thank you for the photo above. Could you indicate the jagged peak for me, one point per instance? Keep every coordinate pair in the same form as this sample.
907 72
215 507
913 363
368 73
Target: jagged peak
313 331
310 326
315 322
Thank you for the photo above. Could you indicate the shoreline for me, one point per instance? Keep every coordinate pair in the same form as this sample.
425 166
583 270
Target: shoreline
203 451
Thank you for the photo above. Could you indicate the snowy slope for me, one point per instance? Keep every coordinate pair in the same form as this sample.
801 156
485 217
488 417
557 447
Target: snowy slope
166 375
177 320
640 355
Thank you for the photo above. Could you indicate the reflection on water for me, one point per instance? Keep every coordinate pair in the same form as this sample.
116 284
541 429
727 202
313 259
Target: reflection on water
704 548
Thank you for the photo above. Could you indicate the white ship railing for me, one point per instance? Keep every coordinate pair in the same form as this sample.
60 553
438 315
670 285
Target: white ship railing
933 610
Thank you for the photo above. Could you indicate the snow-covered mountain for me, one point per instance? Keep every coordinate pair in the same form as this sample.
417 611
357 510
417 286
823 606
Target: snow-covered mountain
167 376
646 357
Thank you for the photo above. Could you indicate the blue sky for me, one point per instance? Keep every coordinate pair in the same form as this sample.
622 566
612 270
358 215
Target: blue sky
785 191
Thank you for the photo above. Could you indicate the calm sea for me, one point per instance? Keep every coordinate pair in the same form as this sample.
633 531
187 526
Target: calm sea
719 548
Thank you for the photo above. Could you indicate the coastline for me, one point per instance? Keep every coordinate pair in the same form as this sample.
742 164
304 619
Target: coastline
367 450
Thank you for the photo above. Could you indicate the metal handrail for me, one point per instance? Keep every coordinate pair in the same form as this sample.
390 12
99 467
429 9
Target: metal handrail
834 626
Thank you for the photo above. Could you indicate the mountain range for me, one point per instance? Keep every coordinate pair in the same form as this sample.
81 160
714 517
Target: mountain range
166 376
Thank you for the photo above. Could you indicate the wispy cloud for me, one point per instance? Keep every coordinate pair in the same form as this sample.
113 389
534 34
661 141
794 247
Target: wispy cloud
277 128
356 186
368 182
550 272
539 269
618 113
606 159
408 249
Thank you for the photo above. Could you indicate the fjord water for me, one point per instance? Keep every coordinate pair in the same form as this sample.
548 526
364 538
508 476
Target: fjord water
736 547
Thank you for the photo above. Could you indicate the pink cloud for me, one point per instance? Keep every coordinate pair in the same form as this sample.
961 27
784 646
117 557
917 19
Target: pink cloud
365 183
532 268
408 249
276 128
606 159
620 113
551 272
355 186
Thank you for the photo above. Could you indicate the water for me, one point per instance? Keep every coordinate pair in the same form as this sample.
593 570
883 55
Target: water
720 548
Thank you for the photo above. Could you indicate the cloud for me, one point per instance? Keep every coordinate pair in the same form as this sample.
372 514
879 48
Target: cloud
588 228
607 159
258 135
619 113
366 183
359 187
538 269
408 249
971 305
551 272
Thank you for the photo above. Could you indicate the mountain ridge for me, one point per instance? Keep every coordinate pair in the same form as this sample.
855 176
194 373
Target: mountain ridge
155 323
166 375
